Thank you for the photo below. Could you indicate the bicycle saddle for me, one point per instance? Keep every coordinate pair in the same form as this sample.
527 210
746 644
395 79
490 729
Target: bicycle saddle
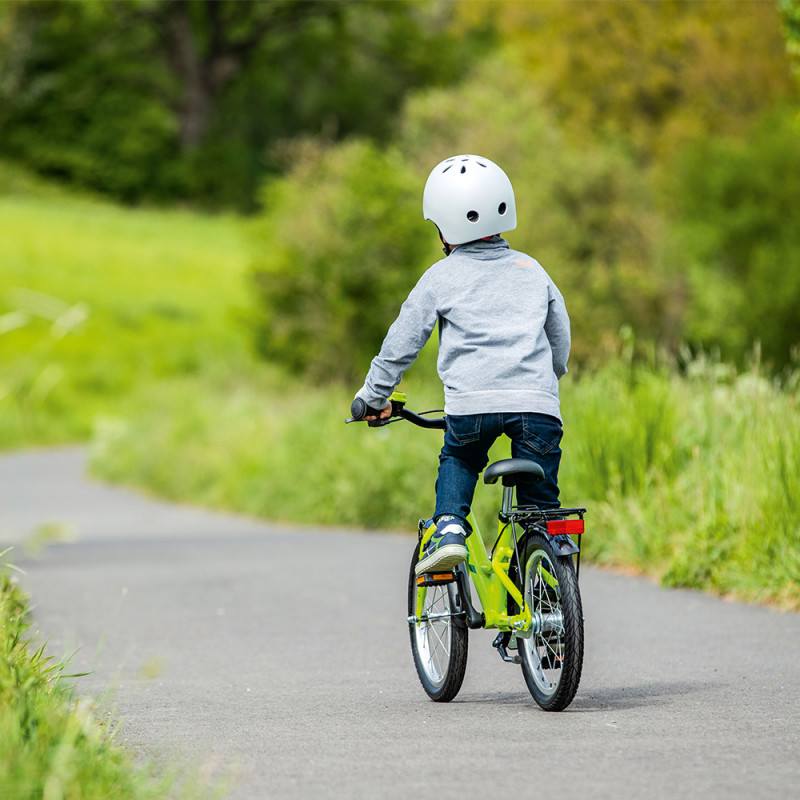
514 471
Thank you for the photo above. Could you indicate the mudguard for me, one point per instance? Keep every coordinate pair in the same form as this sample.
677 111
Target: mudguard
563 545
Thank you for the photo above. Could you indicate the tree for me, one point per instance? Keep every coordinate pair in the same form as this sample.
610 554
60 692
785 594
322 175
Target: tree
163 99
656 74
586 213
206 44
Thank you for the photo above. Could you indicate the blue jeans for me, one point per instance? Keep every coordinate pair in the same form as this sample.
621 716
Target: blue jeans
465 455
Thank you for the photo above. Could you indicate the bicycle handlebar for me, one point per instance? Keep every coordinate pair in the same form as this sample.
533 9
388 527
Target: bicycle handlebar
359 410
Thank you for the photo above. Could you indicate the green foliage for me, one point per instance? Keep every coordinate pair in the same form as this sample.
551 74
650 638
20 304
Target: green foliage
51 745
621 453
657 74
77 111
339 246
342 237
275 449
738 202
27 381
790 17
713 510
160 100
689 474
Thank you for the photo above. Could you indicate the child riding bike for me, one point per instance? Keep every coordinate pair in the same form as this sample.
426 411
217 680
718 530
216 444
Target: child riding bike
504 339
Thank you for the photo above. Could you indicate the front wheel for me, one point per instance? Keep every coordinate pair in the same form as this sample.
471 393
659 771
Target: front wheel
552 651
439 640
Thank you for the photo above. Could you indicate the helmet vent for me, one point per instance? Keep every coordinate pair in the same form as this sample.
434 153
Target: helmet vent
463 170
473 216
501 209
446 168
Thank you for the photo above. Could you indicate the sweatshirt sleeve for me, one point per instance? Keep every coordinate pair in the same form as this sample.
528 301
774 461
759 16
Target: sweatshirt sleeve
556 327
406 337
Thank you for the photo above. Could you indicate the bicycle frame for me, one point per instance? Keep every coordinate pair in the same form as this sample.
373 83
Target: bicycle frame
489 573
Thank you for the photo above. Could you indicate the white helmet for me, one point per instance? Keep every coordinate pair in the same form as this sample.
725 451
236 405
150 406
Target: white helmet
468 198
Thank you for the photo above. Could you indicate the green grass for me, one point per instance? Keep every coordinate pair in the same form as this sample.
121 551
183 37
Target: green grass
691 478
160 290
51 745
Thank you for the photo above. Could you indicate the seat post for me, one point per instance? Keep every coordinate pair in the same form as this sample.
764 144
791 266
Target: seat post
508 500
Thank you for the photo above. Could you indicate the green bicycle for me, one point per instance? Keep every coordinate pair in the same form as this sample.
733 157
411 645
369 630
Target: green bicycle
527 585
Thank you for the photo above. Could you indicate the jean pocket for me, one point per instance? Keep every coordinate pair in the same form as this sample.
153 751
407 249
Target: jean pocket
464 430
542 434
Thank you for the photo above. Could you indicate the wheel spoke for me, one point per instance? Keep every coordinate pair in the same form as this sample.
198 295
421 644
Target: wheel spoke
434 639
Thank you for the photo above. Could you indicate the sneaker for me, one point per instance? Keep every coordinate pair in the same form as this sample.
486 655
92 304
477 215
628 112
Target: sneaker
446 547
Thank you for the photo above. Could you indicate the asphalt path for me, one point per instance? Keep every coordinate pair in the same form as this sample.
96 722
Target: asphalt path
279 655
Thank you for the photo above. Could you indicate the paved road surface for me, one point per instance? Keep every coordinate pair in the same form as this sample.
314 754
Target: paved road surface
224 641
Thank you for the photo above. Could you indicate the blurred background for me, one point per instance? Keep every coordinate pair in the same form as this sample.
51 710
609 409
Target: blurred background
210 213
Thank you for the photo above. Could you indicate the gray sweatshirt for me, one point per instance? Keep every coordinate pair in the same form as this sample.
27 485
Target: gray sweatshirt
503 333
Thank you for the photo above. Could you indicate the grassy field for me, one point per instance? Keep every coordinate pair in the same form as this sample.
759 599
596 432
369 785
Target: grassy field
690 474
97 302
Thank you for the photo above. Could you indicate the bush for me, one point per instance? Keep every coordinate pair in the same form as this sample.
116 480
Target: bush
339 246
740 241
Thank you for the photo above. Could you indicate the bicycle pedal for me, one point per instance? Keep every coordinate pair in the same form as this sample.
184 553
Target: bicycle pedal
435 578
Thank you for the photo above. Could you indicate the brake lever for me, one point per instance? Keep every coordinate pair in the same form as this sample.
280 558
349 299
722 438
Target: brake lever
379 423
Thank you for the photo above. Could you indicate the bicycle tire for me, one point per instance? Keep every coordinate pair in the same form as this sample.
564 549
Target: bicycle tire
552 653
440 646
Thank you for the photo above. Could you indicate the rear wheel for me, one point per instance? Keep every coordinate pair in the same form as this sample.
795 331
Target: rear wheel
552 651
439 640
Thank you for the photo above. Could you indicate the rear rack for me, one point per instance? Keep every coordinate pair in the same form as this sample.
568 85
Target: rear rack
546 519
536 514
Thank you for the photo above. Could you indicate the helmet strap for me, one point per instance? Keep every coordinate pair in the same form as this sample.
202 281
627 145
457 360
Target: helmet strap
446 248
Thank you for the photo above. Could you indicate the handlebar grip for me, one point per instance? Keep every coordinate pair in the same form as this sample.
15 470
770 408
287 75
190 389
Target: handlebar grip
359 409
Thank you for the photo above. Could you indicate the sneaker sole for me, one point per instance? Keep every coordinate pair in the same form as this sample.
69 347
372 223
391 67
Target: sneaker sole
444 558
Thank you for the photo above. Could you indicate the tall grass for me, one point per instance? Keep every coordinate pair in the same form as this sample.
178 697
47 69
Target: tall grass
254 443
51 745
691 478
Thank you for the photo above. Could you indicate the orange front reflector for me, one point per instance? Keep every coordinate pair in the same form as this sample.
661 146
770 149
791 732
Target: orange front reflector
568 526
430 578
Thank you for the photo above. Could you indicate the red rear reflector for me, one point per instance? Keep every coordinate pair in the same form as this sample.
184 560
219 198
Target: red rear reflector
568 526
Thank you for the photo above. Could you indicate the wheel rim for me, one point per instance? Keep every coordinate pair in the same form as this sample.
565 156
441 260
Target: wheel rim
433 635
544 647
